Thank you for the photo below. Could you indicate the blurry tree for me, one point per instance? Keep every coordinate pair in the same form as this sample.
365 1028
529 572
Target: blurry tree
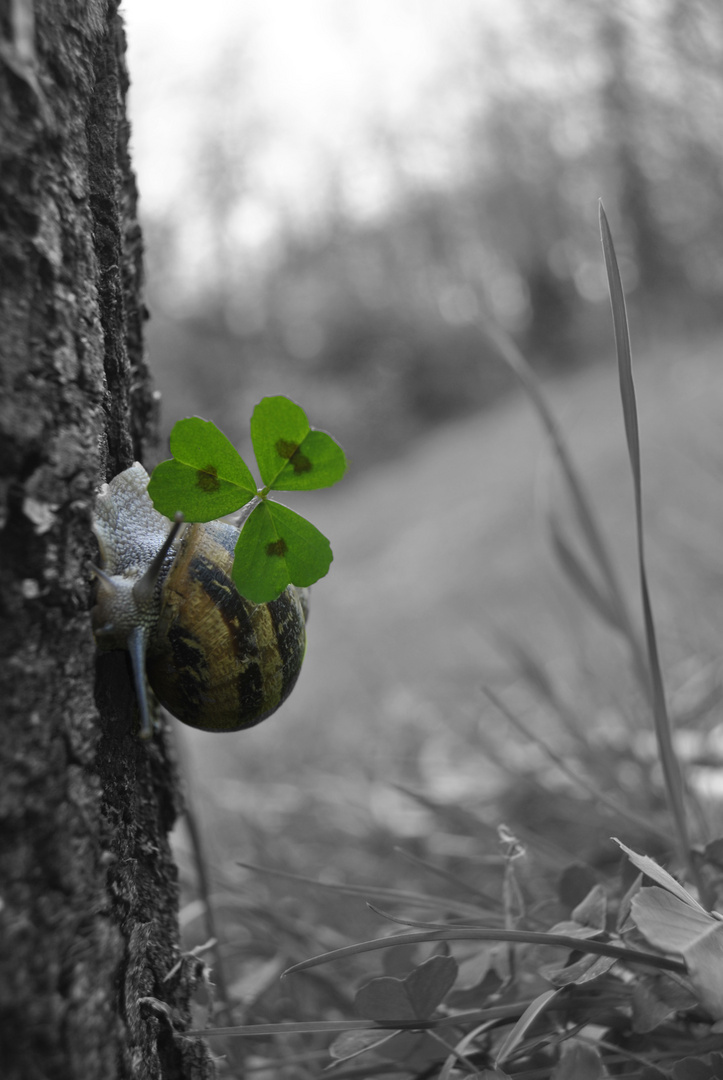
531 121
92 983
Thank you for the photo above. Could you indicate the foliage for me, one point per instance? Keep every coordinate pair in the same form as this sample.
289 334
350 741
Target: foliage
551 969
206 478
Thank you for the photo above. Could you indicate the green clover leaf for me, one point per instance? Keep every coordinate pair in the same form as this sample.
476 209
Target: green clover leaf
205 479
278 547
291 455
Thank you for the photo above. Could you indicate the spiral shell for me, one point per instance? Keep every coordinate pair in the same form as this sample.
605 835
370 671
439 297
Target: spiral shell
213 659
217 661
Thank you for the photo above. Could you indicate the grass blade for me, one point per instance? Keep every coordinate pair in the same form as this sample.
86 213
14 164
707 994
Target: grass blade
513 1039
203 875
593 792
674 784
512 937
661 877
510 1011
366 891
460 1049
581 578
490 902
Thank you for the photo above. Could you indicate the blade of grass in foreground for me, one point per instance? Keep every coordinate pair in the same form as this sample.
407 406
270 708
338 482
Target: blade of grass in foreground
304 1027
674 784
512 937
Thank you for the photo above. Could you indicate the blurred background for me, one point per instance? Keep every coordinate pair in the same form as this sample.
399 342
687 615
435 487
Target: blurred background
337 193
340 200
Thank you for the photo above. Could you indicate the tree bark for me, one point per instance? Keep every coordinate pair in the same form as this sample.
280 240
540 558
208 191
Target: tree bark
90 980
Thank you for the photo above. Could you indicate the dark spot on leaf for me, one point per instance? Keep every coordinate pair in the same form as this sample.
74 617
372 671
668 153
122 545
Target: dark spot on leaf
289 450
285 448
207 478
277 547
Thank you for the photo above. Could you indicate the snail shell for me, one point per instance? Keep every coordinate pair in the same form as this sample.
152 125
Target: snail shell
213 659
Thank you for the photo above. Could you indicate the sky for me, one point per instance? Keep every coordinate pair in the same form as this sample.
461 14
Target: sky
310 85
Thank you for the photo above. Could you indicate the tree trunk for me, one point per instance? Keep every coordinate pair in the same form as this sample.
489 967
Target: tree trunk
90 981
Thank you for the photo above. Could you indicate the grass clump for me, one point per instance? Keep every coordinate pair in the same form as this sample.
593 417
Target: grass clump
546 950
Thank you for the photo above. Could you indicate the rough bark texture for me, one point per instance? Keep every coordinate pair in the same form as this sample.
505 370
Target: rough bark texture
89 892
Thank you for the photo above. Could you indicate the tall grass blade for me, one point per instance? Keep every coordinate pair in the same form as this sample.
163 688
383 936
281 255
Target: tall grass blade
674 784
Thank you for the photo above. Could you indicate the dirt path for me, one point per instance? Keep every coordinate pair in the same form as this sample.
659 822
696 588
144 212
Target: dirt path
441 551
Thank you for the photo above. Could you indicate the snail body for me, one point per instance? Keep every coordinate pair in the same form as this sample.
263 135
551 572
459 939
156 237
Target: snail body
212 658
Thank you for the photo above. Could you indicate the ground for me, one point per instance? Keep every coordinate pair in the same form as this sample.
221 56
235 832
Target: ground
442 564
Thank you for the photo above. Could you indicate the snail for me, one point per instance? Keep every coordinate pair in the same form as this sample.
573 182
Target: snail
212 658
